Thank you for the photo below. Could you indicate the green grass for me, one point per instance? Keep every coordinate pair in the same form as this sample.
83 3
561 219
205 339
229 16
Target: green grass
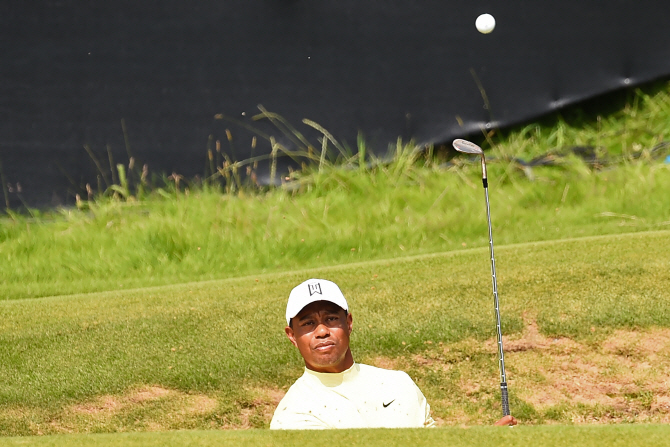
353 217
549 436
210 339
616 126
352 212
163 311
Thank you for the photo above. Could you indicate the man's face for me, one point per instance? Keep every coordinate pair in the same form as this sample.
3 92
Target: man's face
321 333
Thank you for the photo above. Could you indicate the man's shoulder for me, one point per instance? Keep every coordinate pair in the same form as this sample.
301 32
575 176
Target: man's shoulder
299 387
382 373
296 397
376 369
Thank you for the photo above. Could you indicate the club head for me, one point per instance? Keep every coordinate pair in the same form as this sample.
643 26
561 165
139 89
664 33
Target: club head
467 147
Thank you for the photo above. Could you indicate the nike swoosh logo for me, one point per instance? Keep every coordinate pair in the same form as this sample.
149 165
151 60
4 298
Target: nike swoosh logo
386 405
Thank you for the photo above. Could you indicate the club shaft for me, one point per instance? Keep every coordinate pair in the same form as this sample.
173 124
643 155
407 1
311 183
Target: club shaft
501 354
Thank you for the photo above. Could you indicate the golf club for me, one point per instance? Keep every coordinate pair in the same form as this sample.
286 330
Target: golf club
471 148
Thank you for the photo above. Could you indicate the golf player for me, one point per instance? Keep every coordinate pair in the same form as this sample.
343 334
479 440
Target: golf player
335 391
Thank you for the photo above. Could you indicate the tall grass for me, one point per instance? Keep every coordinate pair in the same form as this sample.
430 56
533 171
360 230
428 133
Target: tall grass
359 208
348 217
613 128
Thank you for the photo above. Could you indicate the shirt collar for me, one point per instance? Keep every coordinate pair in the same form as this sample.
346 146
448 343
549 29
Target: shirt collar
333 379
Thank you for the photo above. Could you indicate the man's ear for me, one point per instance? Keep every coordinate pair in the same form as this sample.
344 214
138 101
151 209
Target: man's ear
350 322
290 335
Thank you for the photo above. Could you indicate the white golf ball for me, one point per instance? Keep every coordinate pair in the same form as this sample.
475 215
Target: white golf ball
485 23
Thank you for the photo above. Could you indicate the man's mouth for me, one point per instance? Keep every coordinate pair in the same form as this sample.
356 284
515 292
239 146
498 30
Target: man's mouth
324 346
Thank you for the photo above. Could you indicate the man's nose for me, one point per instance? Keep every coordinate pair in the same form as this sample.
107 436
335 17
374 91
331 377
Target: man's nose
322 331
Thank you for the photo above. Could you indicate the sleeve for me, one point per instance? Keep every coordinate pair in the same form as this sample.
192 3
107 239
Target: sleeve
423 407
428 419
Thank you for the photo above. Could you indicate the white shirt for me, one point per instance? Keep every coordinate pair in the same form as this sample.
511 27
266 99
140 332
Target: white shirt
363 396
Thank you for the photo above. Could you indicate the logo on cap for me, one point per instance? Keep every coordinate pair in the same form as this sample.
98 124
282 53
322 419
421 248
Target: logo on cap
314 288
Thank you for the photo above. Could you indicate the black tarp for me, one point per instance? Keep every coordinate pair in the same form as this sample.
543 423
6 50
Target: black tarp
71 71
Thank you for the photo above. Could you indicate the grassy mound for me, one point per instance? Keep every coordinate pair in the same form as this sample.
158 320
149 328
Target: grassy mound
213 354
349 216
360 208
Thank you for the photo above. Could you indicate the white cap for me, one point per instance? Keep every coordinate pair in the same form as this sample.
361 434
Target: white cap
310 291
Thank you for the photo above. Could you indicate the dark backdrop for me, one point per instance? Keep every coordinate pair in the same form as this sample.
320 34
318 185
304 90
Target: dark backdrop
72 70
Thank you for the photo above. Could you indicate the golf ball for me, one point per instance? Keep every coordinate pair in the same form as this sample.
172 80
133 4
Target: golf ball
485 23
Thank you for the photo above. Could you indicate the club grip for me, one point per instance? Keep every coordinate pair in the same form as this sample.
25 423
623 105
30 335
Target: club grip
505 398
